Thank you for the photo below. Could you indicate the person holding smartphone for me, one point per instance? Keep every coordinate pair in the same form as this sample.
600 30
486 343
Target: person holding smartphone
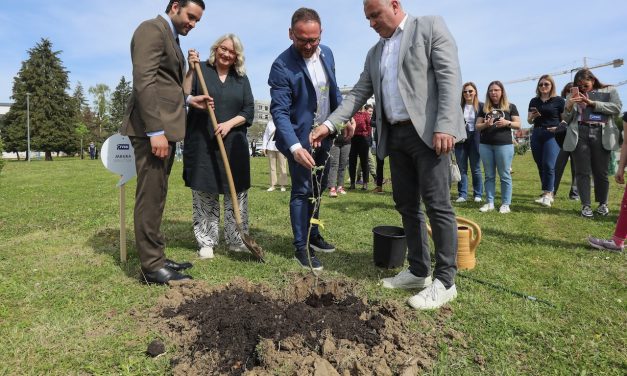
591 136
545 110
496 119
468 150
564 156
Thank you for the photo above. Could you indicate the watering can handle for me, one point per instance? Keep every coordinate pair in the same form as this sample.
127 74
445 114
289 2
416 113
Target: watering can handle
475 237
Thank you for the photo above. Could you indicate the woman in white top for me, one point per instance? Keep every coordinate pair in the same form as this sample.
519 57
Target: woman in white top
275 157
468 150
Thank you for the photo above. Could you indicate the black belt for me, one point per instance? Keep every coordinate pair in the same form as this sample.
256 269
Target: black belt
404 122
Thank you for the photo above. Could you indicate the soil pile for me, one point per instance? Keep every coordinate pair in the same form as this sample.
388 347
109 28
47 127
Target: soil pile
312 328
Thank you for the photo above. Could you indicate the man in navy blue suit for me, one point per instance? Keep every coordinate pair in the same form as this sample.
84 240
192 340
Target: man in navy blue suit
304 92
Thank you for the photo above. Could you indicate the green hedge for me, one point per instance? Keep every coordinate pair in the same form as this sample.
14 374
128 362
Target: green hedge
1 160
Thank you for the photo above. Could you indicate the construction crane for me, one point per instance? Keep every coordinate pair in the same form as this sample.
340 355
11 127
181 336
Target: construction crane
615 63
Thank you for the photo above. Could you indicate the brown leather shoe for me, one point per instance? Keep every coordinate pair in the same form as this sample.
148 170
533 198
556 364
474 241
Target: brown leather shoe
377 189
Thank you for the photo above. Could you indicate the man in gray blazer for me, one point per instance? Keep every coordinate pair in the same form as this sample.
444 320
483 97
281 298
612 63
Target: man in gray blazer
155 121
414 74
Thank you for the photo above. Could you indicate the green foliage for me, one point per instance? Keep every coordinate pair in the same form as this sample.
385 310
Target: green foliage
119 101
51 109
522 147
102 106
1 160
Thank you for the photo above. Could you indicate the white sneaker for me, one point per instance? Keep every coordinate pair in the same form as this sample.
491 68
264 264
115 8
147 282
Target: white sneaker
434 296
487 207
504 209
461 199
282 189
539 200
270 189
546 201
406 280
238 248
478 199
205 253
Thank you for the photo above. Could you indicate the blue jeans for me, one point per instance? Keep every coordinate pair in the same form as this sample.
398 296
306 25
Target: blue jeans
545 150
468 151
497 157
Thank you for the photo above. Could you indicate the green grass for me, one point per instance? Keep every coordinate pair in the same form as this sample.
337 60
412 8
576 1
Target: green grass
68 306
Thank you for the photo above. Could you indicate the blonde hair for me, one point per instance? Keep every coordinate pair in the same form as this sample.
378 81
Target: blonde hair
546 77
238 65
503 103
475 101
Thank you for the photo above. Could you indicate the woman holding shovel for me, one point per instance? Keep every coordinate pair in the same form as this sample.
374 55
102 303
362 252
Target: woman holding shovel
203 168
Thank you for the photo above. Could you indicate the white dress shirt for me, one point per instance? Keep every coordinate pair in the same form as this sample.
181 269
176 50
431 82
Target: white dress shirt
320 83
393 105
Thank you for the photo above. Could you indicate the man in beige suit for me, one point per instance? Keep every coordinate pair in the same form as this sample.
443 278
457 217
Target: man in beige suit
414 74
155 121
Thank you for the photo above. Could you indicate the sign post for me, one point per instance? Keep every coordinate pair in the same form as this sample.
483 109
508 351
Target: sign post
118 156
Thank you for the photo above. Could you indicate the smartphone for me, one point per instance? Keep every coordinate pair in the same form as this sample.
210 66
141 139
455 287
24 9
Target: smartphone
574 91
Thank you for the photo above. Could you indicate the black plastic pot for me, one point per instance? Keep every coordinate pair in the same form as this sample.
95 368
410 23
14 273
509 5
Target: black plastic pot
389 246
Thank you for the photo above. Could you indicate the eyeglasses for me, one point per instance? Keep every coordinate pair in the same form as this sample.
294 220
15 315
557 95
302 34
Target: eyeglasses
542 84
306 41
468 91
225 50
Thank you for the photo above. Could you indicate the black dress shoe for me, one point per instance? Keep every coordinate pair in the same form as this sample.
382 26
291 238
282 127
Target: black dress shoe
177 266
163 276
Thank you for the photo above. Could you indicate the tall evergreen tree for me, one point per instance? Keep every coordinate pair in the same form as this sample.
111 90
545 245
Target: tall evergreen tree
51 109
119 100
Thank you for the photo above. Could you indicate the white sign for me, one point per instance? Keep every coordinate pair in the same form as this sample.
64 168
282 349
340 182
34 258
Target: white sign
118 157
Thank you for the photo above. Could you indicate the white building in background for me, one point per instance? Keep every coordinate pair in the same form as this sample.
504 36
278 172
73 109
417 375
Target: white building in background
4 108
262 112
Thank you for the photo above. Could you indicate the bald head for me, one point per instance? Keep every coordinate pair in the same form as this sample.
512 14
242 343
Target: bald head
384 16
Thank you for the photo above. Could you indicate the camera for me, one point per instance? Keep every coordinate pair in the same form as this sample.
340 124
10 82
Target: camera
496 115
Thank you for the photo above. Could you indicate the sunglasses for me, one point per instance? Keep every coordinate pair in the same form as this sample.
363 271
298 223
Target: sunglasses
541 84
468 91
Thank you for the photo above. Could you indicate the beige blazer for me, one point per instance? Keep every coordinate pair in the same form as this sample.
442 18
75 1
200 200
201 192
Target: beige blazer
157 102
429 79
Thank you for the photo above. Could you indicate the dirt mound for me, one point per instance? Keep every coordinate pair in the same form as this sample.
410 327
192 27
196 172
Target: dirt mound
311 328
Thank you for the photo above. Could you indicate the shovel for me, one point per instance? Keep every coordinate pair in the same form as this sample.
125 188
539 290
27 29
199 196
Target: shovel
250 243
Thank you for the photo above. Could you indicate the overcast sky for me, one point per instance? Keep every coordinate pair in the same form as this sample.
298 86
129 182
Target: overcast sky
505 40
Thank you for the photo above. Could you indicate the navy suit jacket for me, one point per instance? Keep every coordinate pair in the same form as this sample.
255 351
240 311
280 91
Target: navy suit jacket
294 100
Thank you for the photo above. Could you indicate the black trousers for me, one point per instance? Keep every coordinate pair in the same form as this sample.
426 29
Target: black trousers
591 159
360 146
422 176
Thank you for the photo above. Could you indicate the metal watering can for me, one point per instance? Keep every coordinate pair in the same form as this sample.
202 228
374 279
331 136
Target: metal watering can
468 238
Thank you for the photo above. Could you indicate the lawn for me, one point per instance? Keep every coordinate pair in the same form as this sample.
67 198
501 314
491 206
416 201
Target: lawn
68 306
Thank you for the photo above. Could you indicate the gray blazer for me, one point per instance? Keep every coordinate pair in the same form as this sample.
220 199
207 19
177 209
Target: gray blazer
610 133
429 79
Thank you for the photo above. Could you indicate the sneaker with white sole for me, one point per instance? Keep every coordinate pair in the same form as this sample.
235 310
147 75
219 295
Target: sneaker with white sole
504 209
406 280
602 210
487 207
271 189
478 199
546 201
318 243
238 248
308 262
283 189
605 244
461 199
586 211
432 297
205 253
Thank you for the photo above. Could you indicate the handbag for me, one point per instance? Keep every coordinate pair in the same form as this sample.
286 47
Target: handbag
456 176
